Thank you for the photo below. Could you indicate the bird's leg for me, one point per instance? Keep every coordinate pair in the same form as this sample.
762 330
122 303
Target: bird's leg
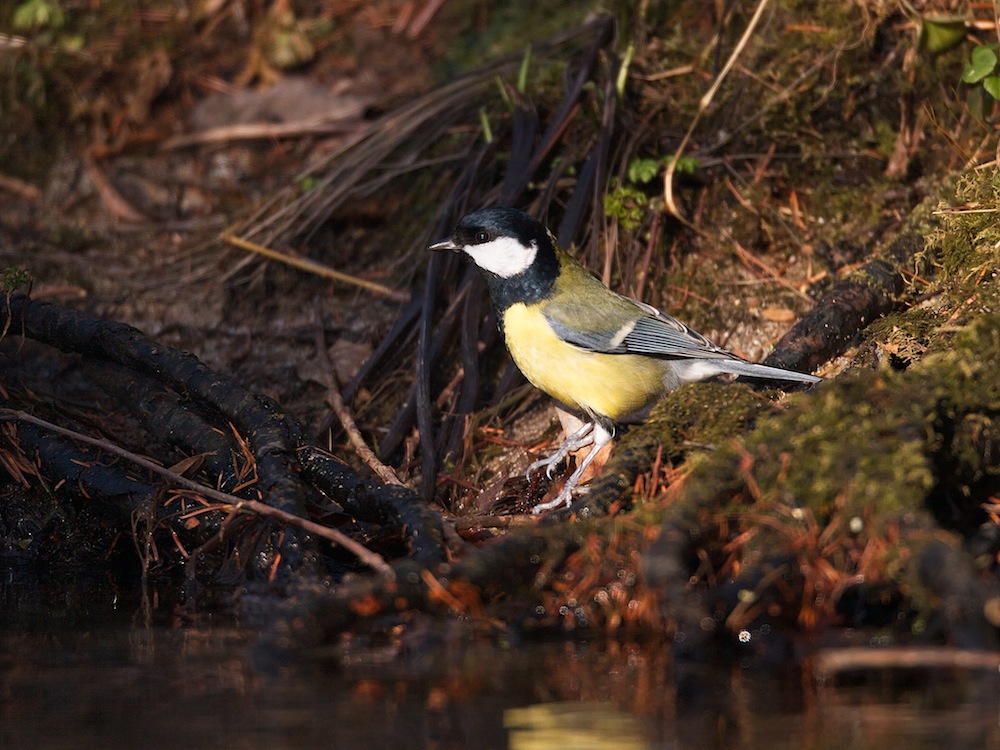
579 439
600 436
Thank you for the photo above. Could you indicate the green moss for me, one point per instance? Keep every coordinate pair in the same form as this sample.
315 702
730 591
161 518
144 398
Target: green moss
969 235
905 335
628 204
971 448
851 481
866 451
846 449
700 413
693 418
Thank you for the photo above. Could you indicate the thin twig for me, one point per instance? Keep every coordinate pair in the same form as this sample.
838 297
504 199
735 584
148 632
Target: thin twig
311 266
423 18
336 402
829 662
259 131
751 260
369 558
668 176
25 190
113 200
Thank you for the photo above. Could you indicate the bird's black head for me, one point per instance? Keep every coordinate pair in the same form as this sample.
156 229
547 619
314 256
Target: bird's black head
488 224
514 250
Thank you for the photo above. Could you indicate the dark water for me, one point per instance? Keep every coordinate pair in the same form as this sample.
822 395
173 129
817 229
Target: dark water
84 668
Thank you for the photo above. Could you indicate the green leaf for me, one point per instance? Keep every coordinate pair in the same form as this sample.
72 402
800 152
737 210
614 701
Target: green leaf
522 74
71 42
37 14
642 170
687 165
992 86
981 63
13 278
504 94
627 204
943 33
484 122
623 69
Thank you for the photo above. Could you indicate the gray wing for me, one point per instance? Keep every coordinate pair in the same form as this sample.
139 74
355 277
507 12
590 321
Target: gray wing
635 328
631 327
658 334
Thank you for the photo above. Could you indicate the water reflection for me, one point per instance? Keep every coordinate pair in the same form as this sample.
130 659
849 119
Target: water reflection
582 726
76 671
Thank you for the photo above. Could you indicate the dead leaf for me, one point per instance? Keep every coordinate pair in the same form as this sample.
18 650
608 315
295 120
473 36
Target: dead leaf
778 314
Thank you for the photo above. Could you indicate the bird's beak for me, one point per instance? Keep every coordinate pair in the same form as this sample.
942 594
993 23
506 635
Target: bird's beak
448 244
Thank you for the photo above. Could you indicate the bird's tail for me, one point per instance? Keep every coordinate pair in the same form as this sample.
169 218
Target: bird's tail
750 370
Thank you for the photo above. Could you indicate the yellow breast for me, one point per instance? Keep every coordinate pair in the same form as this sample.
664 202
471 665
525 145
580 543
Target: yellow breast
610 385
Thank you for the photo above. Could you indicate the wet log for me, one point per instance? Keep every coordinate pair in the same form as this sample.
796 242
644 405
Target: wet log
183 403
843 312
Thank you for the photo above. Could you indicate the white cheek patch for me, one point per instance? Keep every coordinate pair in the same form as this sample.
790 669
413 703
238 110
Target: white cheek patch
504 256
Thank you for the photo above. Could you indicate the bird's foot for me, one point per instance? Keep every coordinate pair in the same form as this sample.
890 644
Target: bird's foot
597 437
579 439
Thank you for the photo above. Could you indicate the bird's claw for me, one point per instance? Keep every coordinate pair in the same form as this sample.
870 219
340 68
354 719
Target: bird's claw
563 498
547 463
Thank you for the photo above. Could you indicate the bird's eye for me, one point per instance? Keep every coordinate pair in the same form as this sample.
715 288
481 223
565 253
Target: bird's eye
483 237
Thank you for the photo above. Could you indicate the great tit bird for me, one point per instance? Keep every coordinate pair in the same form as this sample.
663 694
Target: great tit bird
602 355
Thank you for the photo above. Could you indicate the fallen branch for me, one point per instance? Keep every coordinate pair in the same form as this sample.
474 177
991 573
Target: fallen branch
317 269
867 294
336 402
272 437
369 558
